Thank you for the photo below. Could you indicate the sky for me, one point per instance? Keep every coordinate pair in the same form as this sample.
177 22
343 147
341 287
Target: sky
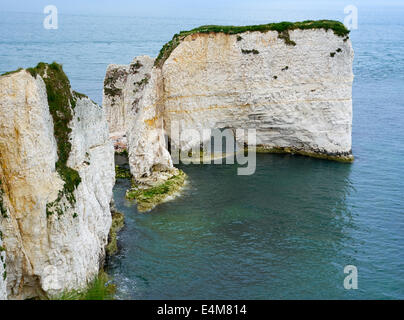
173 7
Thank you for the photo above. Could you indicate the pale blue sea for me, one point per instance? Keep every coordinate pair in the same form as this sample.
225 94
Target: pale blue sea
285 232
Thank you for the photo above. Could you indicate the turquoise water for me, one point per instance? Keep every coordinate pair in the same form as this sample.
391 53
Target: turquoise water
285 232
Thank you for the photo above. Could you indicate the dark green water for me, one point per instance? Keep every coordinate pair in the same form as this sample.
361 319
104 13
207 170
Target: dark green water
285 232
289 230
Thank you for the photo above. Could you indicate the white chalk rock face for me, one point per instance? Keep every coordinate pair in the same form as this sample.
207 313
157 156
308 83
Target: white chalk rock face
146 140
113 98
297 96
293 88
139 114
53 244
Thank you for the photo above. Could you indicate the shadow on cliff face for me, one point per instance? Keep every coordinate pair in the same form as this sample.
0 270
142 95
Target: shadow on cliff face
283 232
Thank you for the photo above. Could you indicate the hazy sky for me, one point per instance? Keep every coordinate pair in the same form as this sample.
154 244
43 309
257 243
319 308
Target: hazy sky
176 7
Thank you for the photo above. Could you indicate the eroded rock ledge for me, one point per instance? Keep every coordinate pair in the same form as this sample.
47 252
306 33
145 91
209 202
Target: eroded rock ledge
57 174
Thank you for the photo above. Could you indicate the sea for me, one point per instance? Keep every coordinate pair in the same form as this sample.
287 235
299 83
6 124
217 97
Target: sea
290 230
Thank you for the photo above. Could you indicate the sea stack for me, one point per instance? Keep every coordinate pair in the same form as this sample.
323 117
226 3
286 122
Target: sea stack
291 82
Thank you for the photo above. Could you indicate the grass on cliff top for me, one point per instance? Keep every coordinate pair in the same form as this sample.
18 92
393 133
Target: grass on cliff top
10 72
282 28
148 198
61 102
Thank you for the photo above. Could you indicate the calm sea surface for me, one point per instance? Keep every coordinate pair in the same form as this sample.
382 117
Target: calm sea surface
285 232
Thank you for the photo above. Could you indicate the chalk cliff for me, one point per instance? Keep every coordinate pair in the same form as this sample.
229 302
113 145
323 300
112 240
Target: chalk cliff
138 113
292 82
57 174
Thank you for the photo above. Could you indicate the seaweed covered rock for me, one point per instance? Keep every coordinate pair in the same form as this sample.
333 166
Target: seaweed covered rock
57 173
158 188
140 116
118 222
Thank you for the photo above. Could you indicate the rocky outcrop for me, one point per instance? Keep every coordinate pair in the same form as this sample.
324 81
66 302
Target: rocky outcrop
57 173
295 96
292 82
114 84
139 112
136 111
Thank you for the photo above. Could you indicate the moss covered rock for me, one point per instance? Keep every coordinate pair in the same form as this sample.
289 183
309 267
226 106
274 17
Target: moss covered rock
147 197
118 222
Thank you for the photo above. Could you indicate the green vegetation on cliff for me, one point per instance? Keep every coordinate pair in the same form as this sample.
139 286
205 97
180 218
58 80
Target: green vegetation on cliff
282 28
100 288
110 79
11 72
122 172
118 222
123 153
148 198
61 102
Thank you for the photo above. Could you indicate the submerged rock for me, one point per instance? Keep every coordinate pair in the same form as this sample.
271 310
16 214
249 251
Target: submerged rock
57 173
